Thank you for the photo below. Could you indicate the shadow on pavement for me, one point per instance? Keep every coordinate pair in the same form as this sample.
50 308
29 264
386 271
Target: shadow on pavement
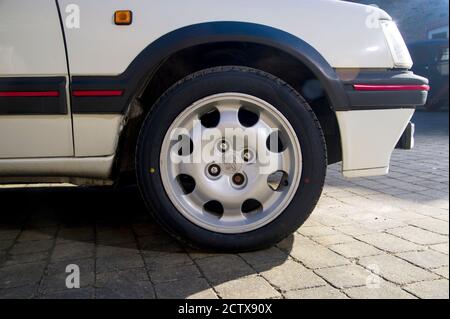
112 237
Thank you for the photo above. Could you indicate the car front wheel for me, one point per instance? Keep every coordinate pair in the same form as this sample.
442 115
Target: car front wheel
231 159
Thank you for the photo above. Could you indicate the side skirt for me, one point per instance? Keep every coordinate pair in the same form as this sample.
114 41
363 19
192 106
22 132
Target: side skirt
82 167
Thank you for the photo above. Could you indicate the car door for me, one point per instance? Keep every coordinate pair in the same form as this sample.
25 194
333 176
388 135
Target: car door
35 119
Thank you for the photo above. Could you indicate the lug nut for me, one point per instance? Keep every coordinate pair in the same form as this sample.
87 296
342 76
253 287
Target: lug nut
214 170
247 156
238 179
223 146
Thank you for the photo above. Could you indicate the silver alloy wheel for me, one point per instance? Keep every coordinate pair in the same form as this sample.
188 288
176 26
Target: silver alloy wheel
212 180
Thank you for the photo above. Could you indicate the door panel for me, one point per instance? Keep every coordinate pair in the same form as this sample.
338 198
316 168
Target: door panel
35 118
26 136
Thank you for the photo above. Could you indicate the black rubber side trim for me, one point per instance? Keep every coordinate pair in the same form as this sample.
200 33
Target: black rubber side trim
33 105
386 99
370 100
133 80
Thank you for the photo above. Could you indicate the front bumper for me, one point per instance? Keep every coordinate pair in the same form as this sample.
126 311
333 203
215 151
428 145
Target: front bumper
373 90
368 138
381 105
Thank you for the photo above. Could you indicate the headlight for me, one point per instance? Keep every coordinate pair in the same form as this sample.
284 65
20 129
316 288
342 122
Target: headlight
399 51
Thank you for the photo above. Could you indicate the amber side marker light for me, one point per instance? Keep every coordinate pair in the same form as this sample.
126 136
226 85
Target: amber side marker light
123 17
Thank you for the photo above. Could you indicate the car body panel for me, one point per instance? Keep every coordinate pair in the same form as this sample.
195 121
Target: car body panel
31 53
31 39
96 134
374 133
344 35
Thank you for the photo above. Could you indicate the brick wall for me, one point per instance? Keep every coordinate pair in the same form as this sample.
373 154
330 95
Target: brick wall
415 17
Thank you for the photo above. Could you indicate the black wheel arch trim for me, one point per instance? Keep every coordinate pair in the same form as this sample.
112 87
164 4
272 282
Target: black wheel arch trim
134 78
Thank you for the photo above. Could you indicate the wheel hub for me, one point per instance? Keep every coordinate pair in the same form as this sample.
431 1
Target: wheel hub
230 165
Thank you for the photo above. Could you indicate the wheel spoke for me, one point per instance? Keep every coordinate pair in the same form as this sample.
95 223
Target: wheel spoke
233 216
229 114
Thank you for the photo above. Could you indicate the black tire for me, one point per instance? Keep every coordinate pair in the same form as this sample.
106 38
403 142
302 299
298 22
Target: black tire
240 80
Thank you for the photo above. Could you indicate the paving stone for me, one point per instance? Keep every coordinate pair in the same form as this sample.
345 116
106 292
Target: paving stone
5 244
345 276
26 258
24 292
385 290
355 249
389 243
310 222
425 259
37 234
143 229
382 224
333 239
7 234
120 235
158 261
328 219
21 275
443 248
368 217
171 273
69 234
316 256
326 292
418 236
129 275
117 263
159 243
292 276
198 254
204 294
250 287
396 270
431 224
265 259
355 230
436 289
443 271
443 217
294 240
116 250
31 247
127 284
317 231
224 268
82 293
73 251
183 289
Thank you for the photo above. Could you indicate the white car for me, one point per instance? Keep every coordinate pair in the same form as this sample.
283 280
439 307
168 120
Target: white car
228 112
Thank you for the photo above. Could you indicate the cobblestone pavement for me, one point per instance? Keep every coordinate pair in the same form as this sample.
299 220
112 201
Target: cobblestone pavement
368 238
